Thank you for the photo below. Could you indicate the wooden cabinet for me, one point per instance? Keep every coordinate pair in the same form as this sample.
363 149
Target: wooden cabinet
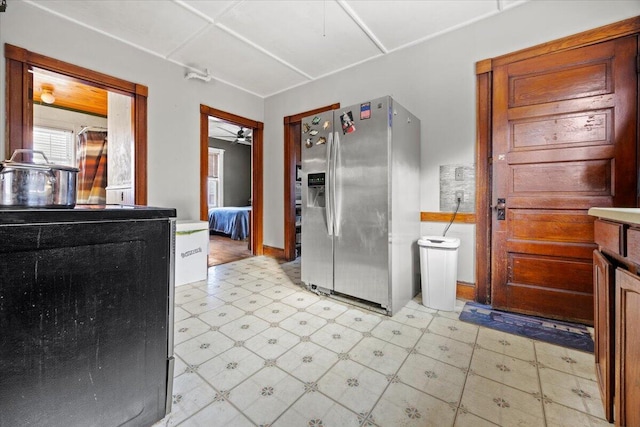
617 319
627 317
609 236
603 297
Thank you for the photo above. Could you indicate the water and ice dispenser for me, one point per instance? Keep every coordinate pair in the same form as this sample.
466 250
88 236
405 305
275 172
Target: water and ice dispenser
316 190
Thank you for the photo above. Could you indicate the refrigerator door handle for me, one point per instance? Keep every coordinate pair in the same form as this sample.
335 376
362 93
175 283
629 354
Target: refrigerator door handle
328 205
334 195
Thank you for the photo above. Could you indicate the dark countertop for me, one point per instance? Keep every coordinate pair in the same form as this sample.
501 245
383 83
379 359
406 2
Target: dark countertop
83 213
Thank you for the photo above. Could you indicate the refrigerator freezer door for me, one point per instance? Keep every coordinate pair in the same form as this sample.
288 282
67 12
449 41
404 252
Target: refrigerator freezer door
317 242
361 243
405 207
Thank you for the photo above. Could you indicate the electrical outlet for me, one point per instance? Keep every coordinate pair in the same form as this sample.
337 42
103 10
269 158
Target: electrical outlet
459 196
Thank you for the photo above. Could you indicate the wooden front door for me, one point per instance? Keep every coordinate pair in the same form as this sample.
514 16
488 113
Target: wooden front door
564 140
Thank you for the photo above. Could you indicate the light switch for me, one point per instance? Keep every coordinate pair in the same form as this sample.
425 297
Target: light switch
459 174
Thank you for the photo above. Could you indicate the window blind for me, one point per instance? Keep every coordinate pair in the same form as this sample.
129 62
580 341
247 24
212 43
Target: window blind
56 144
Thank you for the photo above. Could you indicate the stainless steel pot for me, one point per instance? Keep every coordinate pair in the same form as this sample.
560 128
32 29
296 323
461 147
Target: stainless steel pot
39 185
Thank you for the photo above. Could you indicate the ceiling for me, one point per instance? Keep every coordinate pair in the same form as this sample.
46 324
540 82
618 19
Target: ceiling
69 93
226 131
268 46
72 94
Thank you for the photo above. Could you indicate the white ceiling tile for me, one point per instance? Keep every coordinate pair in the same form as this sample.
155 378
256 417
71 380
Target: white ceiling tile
397 23
157 26
316 37
210 8
231 60
511 3
267 46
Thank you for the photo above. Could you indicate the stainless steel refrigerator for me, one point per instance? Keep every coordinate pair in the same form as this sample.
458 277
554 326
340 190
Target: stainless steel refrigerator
361 203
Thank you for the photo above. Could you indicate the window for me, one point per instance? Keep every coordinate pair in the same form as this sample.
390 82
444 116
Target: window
215 178
56 144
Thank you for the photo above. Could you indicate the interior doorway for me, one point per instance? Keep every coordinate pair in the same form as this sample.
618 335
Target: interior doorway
292 161
228 191
21 91
83 126
233 211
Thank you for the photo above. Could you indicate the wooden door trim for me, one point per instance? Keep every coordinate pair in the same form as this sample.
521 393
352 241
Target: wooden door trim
597 35
86 75
140 149
289 178
257 154
484 105
19 105
483 187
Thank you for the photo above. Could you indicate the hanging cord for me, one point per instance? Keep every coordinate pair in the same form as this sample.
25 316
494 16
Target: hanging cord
324 18
452 218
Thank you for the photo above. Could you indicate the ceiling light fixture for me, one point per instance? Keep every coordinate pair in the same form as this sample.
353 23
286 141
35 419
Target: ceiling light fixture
47 96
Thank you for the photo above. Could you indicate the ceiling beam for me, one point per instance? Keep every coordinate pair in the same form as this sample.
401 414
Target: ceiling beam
360 23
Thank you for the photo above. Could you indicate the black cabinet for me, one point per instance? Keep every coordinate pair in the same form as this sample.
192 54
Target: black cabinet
86 317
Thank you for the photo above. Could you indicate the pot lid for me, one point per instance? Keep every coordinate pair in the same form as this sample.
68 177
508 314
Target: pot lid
35 165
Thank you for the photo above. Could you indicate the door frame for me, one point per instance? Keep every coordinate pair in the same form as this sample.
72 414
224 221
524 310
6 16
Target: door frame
484 89
256 222
19 105
289 177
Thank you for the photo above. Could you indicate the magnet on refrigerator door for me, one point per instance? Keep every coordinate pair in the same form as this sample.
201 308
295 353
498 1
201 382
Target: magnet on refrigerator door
346 119
365 111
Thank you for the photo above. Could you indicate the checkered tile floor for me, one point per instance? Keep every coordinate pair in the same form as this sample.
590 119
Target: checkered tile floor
255 348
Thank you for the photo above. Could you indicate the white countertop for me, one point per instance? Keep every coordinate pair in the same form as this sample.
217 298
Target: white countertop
628 215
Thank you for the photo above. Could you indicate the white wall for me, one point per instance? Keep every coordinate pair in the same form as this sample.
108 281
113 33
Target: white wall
435 80
173 103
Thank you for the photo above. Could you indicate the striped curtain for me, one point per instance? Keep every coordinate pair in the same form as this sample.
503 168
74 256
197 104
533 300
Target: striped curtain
92 162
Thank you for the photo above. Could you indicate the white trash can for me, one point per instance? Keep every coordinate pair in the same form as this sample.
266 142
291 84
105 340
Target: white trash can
439 271
192 251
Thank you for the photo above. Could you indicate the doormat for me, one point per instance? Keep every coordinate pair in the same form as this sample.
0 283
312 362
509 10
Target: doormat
566 334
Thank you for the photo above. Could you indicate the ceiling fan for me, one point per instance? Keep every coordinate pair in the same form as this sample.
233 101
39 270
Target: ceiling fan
241 136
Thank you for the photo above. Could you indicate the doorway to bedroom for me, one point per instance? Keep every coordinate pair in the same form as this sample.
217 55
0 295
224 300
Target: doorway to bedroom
228 191
231 185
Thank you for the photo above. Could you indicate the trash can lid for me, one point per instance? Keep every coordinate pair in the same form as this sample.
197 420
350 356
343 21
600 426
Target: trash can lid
190 225
439 242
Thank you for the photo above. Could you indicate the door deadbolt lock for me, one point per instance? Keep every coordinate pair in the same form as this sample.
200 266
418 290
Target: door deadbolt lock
500 208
